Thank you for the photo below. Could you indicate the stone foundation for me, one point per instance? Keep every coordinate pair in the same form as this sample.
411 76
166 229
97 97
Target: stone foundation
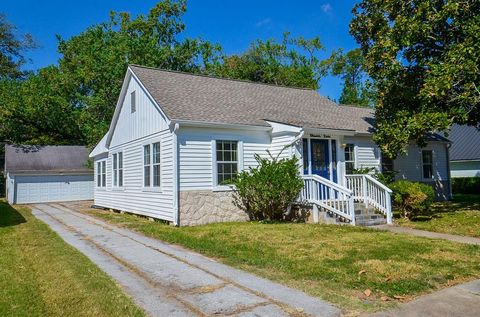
202 207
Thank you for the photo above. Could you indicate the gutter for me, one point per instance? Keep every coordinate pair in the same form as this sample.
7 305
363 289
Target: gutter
217 125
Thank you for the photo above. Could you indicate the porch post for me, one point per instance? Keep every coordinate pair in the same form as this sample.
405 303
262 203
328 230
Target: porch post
315 213
365 191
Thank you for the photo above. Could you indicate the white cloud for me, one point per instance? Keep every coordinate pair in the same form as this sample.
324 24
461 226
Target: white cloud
263 22
326 8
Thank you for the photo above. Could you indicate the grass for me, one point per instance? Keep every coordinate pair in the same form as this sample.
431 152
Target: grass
336 263
40 275
461 216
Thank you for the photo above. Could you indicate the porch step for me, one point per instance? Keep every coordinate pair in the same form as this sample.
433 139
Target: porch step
368 216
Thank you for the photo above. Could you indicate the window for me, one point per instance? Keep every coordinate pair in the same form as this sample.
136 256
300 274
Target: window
156 164
133 102
146 165
227 161
117 169
151 165
427 163
349 158
101 174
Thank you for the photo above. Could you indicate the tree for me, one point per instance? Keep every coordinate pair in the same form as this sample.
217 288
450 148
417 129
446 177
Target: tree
357 89
36 111
424 57
12 47
95 61
292 62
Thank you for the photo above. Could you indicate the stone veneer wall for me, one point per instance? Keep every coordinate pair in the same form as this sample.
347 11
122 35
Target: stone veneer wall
206 206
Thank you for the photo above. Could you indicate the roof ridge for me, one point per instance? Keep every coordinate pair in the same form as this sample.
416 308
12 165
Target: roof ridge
225 78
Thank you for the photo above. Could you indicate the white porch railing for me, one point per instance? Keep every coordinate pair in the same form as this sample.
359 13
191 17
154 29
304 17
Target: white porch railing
370 191
326 194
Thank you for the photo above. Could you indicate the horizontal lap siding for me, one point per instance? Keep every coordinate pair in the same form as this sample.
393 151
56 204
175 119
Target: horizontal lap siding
133 197
195 153
409 166
281 146
367 153
465 169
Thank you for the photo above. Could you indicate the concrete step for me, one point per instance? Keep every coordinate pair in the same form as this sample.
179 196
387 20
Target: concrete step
372 222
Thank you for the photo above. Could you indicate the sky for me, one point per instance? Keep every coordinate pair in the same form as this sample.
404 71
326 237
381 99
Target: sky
233 24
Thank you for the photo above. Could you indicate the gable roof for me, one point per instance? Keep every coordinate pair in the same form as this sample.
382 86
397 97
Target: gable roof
200 98
41 159
465 143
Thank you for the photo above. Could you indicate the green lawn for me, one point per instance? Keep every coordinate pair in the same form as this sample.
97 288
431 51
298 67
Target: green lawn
40 275
460 216
336 263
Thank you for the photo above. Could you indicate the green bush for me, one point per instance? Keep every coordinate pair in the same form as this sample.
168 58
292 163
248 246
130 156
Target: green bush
266 191
466 185
411 198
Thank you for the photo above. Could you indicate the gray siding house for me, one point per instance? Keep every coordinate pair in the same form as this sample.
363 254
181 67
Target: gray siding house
36 174
175 138
465 151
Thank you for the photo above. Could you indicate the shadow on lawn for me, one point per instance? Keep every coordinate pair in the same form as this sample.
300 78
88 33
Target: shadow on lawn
9 216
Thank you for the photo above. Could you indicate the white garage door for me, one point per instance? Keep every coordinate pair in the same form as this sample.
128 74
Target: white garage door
35 189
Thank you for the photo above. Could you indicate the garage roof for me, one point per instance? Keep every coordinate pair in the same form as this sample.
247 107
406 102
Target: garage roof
465 143
44 159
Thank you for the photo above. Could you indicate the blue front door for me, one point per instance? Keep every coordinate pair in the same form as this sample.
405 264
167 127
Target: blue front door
320 158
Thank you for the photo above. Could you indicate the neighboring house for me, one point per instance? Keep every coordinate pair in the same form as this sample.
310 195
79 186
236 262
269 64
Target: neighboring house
37 174
465 151
176 138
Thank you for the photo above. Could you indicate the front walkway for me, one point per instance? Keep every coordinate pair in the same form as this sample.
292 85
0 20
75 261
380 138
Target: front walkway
461 300
429 234
167 280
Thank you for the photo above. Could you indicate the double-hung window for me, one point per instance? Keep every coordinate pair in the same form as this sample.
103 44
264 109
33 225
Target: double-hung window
151 165
101 174
427 164
349 158
227 161
118 169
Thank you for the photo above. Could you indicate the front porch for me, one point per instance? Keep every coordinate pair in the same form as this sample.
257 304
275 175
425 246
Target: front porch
357 199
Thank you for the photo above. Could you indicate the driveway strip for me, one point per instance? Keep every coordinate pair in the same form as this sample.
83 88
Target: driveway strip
168 280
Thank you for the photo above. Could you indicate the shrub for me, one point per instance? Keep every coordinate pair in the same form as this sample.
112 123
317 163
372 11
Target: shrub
386 178
266 191
466 185
411 198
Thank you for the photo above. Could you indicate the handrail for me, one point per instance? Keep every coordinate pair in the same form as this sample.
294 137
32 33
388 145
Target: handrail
370 191
326 194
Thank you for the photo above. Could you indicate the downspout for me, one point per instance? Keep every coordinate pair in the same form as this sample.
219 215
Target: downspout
449 177
176 190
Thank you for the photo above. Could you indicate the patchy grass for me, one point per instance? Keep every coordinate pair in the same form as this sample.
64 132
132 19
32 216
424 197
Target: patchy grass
40 275
336 263
460 216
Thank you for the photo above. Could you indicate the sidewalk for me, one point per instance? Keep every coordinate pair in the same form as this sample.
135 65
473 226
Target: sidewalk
429 234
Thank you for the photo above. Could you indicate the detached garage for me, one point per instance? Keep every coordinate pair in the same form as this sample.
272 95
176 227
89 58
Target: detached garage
47 174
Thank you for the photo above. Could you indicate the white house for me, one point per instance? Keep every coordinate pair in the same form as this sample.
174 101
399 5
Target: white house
175 138
465 151
36 174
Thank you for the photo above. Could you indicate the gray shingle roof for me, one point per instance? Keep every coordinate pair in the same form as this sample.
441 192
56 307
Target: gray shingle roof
29 158
209 99
465 143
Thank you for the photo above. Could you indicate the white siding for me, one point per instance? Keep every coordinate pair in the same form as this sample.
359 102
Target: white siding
409 166
281 145
196 159
367 153
465 169
10 184
146 125
146 120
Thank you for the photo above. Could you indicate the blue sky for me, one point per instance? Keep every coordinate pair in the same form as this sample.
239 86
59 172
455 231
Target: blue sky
233 24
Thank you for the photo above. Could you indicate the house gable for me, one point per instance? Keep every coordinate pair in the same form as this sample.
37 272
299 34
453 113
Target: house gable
144 119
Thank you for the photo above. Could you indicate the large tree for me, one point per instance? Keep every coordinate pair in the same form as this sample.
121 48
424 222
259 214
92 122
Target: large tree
291 62
424 57
95 61
12 47
357 88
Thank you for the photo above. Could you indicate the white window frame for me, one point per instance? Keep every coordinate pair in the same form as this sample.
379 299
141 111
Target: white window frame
215 185
117 170
133 102
152 186
354 153
431 165
101 175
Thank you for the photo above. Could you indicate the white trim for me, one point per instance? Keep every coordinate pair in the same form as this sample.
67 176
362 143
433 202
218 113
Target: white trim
151 187
219 125
215 186
176 177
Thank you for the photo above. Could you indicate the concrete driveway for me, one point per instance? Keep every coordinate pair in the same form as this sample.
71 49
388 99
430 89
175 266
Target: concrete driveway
167 280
